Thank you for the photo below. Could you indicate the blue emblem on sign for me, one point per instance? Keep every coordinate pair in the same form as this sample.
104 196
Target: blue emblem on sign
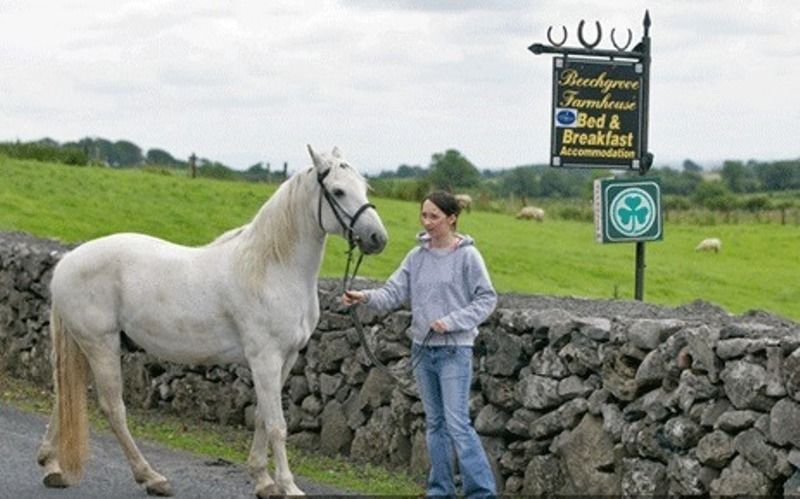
566 117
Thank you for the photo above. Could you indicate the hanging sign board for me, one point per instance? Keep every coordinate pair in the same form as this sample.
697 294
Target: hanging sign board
597 113
628 210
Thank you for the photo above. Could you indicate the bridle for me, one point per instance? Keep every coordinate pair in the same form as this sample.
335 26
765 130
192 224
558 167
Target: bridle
338 210
341 214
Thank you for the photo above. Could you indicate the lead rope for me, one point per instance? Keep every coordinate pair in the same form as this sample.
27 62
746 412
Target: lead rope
347 281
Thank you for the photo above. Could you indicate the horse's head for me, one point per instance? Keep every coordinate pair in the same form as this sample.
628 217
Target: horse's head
343 205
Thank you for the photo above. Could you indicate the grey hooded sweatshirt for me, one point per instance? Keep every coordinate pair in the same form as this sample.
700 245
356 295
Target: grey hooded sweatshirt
451 284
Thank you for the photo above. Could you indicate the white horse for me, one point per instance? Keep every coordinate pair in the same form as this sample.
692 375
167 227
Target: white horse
249 296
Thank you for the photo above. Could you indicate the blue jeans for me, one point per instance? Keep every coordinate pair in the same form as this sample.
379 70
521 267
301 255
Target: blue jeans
444 375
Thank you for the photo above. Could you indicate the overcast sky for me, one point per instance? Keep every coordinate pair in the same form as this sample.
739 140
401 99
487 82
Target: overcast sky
389 82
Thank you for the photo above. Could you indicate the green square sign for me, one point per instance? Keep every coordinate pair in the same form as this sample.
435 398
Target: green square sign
627 210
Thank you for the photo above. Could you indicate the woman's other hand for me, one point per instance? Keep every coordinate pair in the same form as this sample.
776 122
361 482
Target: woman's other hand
352 297
439 326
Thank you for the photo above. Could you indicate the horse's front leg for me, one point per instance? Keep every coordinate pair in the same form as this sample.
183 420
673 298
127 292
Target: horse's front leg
268 374
258 459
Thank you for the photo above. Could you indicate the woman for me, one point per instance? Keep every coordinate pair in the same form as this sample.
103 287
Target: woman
448 286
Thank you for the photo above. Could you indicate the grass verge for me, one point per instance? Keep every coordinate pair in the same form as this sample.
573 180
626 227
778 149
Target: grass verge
220 442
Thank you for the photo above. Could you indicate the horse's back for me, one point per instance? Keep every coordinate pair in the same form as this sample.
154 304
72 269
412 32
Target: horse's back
101 264
164 296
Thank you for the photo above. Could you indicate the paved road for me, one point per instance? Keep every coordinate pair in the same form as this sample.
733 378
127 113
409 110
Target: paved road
107 473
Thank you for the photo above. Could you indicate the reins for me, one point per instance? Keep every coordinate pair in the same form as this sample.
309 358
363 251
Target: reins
340 213
347 281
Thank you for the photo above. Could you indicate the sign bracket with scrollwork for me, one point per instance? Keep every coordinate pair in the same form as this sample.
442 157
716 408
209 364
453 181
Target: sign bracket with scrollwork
600 101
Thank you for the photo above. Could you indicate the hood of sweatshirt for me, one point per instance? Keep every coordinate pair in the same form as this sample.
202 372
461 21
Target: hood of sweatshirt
423 238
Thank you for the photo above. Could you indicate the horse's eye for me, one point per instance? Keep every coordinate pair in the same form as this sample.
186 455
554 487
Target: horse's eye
338 193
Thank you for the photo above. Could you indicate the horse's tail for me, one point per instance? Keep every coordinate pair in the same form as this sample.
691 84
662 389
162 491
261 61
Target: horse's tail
71 376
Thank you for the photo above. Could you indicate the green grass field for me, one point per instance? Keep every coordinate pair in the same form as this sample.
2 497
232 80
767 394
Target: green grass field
757 268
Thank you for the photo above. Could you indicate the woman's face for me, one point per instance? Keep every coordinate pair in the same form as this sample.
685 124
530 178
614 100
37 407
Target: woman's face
434 220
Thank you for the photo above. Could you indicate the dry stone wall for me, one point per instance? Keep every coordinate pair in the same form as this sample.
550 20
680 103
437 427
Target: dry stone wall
570 396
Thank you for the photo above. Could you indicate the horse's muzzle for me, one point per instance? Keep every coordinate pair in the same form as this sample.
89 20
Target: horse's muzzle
373 243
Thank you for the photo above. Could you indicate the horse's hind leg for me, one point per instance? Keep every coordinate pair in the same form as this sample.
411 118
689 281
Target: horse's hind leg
47 457
105 364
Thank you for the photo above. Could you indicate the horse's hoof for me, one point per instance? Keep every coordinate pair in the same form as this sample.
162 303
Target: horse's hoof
55 480
161 489
270 491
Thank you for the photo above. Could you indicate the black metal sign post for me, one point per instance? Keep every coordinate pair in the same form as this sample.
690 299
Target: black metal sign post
600 107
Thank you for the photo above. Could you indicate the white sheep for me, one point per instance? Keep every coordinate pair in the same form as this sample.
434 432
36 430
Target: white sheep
710 244
531 213
464 201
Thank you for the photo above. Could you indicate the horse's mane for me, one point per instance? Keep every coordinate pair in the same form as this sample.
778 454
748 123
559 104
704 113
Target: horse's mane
270 237
227 236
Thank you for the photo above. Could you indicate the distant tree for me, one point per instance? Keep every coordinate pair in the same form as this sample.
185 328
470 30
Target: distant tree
561 183
216 170
738 177
450 170
256 173
714 196
406 171
128 153
98 150
691 166
675 182
47 141
490 174
780 175
520 181
160 157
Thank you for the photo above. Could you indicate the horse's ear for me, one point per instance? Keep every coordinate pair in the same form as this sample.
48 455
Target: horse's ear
314 157
336 153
